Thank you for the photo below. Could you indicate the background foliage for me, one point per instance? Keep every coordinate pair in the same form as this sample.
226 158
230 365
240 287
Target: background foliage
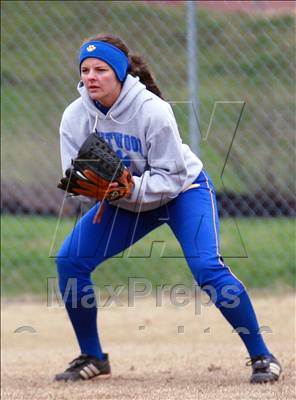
241 57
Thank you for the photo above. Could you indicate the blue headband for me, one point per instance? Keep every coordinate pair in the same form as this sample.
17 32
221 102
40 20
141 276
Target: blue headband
113 56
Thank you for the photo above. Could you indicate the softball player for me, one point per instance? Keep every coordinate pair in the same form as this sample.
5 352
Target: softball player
121 102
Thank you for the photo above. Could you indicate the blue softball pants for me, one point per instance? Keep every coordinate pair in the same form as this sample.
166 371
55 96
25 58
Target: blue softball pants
193 218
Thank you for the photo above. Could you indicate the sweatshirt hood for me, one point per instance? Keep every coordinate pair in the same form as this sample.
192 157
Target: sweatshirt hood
125 107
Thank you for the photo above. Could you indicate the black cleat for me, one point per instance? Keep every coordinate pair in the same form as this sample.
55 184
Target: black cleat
86 367
265 369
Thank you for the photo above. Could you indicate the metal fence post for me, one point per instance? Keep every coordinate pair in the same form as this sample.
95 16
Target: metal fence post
192 68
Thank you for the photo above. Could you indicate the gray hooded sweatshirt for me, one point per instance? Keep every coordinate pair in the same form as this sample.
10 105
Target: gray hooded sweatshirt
142 129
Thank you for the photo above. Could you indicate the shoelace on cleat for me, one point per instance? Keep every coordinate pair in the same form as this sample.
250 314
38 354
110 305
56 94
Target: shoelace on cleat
77 362
252 361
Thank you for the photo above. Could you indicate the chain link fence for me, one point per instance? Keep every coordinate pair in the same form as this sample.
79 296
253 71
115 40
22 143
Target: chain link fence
245 116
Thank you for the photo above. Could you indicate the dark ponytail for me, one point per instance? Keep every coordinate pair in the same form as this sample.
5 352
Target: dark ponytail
138 66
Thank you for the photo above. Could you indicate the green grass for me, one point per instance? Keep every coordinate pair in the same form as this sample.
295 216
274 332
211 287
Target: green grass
260 252
241 57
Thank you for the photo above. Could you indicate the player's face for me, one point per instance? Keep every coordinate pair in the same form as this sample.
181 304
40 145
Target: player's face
100 81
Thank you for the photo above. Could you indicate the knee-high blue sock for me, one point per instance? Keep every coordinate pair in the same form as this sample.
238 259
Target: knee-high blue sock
84 321
243 319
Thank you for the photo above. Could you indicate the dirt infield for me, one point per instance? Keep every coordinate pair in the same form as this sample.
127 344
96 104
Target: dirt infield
156 353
